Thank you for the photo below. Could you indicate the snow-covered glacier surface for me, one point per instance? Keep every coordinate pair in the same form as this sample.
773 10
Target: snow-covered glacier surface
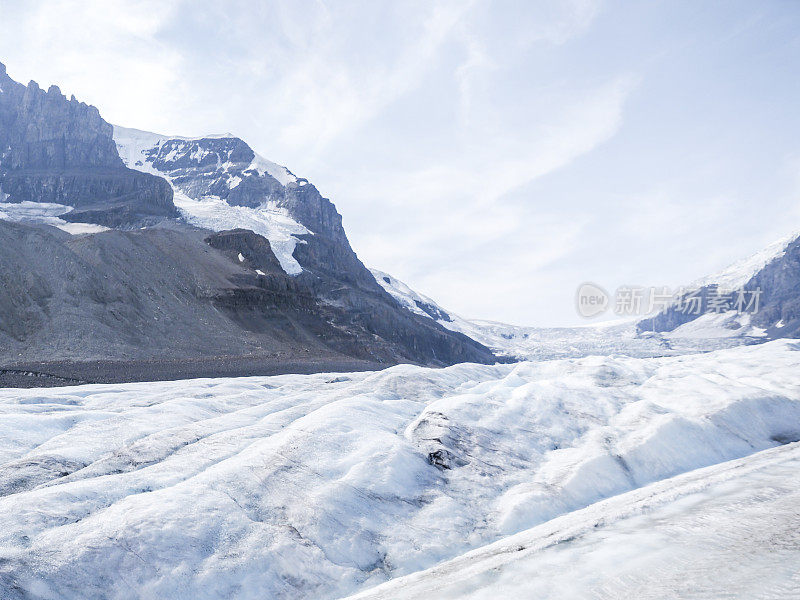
320 486
726 531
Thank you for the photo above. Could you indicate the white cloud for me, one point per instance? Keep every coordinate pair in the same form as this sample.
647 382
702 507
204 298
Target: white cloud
458 218
492 153
105 52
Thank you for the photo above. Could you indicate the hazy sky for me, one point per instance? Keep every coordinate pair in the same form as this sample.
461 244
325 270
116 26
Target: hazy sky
494 155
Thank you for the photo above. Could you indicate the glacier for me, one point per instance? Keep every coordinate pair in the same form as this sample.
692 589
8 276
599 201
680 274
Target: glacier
321 486
140 149
620 336
726 531
46 213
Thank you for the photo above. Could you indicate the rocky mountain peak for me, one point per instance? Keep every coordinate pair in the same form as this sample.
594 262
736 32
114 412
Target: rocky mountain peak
63 152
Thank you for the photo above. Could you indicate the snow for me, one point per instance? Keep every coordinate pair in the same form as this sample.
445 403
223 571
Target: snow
241 257
402 293
273 222
45 213
319 486
262 165
32 211
728 324
725 531
212 212
739 273
260 272
133 143
81 228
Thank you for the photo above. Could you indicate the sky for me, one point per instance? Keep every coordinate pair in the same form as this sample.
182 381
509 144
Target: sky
492 155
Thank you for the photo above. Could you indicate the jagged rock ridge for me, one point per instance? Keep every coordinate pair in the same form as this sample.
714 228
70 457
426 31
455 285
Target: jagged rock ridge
61 151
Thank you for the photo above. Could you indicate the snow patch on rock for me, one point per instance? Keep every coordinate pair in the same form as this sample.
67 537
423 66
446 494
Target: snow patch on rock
46 213
273 222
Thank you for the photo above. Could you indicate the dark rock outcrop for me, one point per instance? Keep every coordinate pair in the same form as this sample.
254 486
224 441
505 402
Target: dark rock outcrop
62 151
674 315
779 282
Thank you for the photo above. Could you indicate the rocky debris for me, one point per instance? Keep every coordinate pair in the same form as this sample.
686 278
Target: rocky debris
444 459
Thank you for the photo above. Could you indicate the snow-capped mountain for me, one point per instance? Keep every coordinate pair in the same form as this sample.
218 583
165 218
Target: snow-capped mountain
542 343
129 255
739 273
769 281
320 486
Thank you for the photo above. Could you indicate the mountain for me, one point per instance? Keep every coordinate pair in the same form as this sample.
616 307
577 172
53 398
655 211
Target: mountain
220 183
767 282
129 255
766 286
